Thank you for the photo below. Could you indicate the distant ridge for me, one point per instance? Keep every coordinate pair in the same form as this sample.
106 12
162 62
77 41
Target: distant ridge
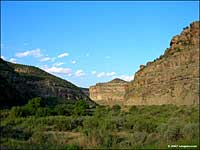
18 83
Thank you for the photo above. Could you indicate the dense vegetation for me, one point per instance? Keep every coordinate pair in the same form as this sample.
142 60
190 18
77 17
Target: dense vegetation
43 124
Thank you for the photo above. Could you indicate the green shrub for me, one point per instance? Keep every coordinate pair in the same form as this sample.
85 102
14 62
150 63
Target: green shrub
173 132
191 130
80 108
72 147
63 109
116 108
41 138
133 109
146 125
101 111
42 112
15 112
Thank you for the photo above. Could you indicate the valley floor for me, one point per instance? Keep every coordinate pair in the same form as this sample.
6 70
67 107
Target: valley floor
142 127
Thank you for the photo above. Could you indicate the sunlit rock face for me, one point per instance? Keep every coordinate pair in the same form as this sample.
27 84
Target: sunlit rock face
109 93
171 79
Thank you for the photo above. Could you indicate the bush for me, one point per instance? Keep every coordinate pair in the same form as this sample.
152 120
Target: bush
139 137
173 132
116 108
42 112
41 138
72 147
191 130
133 109
80 108
101 111
63 109
15 112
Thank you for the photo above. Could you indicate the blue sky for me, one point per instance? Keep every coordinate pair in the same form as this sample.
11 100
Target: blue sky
90 42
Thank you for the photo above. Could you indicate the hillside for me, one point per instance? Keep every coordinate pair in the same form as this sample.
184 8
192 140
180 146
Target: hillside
173 78
20 83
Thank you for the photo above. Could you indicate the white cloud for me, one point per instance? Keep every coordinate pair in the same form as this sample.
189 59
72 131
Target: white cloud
3 57
69 75
45 59
58 64
34 53
73 62
93 72
58 70
79 73
13 60
108 74
124 77
102 74
63 55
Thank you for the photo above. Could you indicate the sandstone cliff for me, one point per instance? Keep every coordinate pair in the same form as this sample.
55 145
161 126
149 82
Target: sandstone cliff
173 78
20 83
109 93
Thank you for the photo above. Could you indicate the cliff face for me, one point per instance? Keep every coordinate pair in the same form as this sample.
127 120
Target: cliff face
109 93
20 83
171 79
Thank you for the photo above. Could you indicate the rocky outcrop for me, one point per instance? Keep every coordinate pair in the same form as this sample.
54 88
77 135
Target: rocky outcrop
19 83
109 93
173 78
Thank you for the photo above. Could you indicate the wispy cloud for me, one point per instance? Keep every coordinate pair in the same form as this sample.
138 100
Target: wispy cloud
63 55
34 53
103 74
73 62
79 73
58 64
110 74
93 72
13 60
58 70
88 54
45 59
69 75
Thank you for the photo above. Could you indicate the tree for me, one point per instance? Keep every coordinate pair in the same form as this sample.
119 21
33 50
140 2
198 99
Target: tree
80 108
33 105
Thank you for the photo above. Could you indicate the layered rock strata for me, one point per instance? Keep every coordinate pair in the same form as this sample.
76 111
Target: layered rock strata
173 78
109 93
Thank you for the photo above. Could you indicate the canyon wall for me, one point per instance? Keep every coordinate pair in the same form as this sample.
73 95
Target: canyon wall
109 93
171 79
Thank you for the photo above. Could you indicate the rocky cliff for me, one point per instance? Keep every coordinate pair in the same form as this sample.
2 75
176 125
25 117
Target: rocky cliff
109 93
18 83
173 78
